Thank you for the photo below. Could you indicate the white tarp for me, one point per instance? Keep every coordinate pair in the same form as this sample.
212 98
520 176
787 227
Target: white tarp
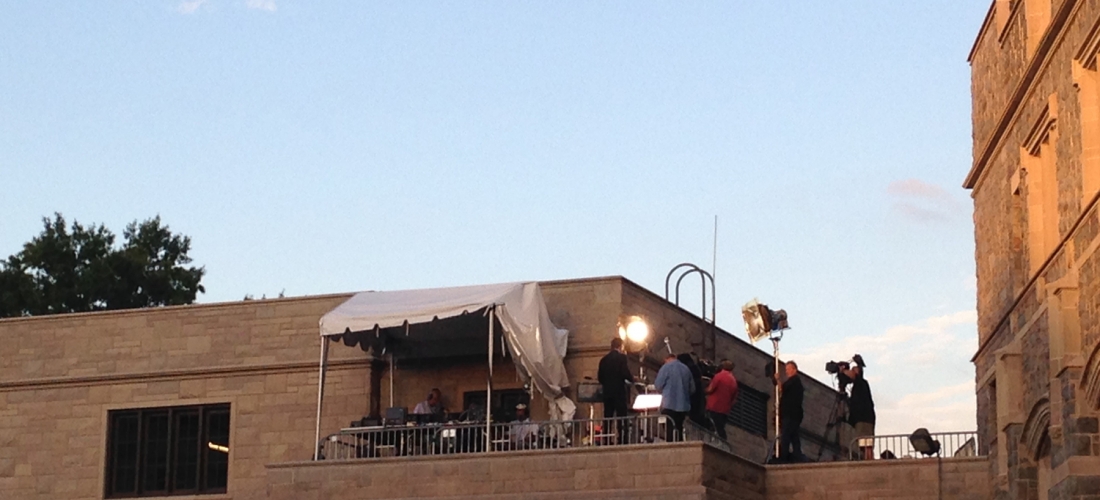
536 345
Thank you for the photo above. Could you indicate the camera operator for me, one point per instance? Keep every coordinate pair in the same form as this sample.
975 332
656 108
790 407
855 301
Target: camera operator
861 407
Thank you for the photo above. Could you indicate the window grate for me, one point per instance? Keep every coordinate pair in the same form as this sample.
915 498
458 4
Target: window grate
750 411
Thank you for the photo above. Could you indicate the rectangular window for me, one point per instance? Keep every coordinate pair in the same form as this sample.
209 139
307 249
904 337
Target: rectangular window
504 402
750 411
167 451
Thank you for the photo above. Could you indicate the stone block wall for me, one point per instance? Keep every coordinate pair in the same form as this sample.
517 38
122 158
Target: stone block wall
54 397
668 471
62 375
949 479
1035 94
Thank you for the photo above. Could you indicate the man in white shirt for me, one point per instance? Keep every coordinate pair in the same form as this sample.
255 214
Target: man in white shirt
431 406
524 432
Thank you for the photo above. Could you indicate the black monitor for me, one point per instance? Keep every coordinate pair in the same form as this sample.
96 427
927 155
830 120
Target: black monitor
397 415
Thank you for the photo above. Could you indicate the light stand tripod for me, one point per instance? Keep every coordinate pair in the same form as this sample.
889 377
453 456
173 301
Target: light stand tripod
840 405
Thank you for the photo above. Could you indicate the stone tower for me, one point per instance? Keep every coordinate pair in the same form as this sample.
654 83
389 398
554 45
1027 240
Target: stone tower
1035 182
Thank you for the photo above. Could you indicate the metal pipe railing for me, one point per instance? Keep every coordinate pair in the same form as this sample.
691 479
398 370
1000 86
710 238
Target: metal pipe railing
952 444
477 437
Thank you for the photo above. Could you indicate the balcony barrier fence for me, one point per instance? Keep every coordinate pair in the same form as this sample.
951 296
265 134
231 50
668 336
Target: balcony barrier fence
458 438
951 444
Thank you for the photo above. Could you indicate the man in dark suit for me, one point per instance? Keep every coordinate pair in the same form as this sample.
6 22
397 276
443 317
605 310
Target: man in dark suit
614 375
790 415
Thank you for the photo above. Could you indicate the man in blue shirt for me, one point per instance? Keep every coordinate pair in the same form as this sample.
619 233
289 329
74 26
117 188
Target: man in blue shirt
675 383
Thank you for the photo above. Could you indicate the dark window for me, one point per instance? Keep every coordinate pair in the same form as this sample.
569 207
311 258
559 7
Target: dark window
167 451
504 402
750 411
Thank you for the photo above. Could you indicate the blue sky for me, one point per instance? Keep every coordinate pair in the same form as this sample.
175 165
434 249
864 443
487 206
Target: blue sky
319 147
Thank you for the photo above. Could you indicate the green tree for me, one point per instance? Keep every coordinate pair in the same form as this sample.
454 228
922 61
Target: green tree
77 268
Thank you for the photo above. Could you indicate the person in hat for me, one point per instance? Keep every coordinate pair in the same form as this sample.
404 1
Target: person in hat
523 431
861 408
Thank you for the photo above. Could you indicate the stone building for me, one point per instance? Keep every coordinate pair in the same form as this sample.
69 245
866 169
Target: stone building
1035 182
233 388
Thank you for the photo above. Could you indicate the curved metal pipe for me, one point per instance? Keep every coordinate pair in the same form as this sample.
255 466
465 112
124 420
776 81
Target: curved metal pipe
704 276
670 273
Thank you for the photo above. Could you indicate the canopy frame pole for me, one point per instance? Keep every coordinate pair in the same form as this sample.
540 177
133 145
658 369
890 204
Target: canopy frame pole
393 363
320 396
489 385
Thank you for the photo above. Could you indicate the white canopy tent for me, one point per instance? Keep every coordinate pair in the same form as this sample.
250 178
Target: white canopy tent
404 320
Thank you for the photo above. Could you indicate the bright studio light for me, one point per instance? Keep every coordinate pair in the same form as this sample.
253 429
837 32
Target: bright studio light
635 329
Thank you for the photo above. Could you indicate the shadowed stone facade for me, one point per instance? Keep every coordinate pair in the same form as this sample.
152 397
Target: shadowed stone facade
1035 183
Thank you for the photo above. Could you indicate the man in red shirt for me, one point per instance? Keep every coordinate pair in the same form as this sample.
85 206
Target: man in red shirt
721 394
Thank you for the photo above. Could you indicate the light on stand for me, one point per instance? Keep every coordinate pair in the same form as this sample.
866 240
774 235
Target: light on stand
761 322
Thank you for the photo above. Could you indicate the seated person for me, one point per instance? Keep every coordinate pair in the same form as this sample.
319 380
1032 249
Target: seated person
433 406
524 432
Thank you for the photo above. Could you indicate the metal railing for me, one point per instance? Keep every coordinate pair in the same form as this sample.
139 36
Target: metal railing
458 438
952 444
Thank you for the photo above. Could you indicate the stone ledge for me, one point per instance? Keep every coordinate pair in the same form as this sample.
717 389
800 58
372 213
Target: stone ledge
186 374
875 463
690 445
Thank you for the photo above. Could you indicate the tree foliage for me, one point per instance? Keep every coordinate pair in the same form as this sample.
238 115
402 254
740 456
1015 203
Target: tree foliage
77 268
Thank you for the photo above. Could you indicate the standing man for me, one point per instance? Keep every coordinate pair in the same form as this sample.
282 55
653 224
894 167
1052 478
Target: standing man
614 375
675 383
698 411
721 394
861 409
790 415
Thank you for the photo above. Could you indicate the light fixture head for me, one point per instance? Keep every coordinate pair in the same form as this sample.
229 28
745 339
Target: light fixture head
922 442
760 320
634 328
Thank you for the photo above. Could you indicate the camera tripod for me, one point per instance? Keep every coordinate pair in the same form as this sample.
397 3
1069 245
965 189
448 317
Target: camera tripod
837 416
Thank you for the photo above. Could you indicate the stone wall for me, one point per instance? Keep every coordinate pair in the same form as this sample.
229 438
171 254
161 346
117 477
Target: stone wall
949 479
668 471
63 374
1035 95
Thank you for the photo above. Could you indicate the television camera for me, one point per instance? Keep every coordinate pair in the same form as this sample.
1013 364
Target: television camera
839 367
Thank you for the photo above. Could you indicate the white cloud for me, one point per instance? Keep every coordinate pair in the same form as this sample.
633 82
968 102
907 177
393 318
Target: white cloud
916 188
944 409
268 5
915 345
190 6
923 202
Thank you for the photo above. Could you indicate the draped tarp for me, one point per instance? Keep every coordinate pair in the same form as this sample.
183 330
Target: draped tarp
414 320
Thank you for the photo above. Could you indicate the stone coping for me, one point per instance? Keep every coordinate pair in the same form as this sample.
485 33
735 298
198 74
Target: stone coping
874 463
512 454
